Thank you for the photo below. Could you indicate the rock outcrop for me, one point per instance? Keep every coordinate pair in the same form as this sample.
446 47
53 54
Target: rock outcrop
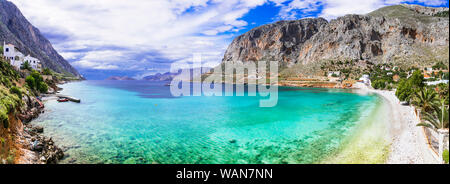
282 41
389 35
15 29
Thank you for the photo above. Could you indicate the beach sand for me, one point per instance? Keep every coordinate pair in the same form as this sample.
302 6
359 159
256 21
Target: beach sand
408 142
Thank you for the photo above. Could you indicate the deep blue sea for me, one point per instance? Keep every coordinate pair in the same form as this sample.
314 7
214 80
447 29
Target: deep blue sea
141 122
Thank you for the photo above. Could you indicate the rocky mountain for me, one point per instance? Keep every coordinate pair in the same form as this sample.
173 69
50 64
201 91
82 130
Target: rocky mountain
123 78
15 29
402 34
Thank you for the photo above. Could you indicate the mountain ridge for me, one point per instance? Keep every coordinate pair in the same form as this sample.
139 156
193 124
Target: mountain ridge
415 35
17 30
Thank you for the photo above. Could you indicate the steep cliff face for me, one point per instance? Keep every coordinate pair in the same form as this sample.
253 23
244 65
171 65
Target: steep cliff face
281 41
392 34
15 29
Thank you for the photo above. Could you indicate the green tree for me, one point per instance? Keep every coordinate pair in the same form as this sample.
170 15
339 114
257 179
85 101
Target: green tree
30 81
417 79
16 90
404 90
43 88
425 99
379 84
26 66
437 118
407 87
36 82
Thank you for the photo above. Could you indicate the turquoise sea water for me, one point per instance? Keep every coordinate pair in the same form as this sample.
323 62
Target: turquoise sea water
139 122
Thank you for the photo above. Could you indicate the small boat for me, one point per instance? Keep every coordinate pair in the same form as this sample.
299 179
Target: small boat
63 100
168 84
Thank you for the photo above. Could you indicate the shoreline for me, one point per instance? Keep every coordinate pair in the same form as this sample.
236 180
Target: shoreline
408 143
34 146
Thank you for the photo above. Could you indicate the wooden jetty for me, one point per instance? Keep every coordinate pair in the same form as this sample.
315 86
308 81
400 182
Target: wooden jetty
72 99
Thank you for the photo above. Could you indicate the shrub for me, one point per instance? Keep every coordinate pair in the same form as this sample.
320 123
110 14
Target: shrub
36 82
445 156
47 71
442 14
30 81
379 84
43 88
4 116
389 87
16 91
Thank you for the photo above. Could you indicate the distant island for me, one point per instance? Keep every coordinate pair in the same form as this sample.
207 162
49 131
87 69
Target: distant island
118 78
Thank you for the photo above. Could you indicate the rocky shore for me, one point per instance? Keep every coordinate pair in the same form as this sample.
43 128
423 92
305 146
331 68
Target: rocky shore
35 148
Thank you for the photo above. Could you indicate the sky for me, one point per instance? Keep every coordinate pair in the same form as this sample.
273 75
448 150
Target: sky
137 38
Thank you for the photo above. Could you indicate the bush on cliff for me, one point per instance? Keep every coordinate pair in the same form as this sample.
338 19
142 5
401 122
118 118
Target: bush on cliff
43 88
47 71
30 81
8 103
36 82
16 90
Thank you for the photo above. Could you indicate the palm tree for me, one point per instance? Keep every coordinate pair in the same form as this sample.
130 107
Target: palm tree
26 66
438 118
425 99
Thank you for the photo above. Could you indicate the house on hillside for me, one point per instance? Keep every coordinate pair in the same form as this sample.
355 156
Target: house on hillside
334 74
365 79
430 83
34 63
428 70
16 58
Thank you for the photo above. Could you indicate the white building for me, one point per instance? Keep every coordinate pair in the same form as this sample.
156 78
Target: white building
365 79
16 57
336 73
429 83
34 63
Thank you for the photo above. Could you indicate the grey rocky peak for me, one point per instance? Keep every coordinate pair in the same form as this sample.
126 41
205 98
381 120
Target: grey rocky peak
280 41
393 34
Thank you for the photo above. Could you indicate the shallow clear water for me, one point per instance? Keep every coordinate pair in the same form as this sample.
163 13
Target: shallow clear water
140 122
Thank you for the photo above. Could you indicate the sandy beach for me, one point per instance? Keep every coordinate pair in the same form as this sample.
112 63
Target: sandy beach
408 142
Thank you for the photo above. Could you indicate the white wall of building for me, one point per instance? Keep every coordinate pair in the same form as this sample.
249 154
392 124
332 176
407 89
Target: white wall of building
10 52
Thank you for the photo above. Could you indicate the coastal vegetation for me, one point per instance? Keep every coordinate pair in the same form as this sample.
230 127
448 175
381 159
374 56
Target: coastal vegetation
13 87
36 82
445 156
436 117
442 14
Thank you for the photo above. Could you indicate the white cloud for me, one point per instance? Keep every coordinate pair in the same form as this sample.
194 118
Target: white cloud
330 9
174 29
